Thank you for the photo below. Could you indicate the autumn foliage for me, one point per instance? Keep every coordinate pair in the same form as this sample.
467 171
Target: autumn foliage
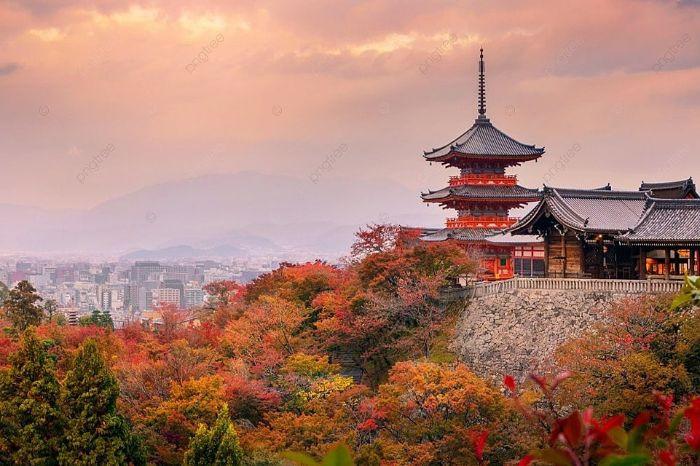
312 356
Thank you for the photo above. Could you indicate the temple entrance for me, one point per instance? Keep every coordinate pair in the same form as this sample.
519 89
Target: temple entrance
593 260
608 261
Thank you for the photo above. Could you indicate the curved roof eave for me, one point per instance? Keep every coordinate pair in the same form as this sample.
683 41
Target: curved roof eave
487 141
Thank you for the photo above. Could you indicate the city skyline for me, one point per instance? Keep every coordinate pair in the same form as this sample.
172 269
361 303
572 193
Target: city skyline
126 291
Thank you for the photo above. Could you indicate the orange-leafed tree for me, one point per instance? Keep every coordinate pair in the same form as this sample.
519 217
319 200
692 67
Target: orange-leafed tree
381 271
419 309
171 425
250 399
390 306
327 420
298 283
429 413
265 334
374 238
223 293
641 347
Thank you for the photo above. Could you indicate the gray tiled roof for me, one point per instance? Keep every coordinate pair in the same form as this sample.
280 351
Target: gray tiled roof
462 234
666 184
483 191
589 210
671 189
667 221
484 139
478 234
506 237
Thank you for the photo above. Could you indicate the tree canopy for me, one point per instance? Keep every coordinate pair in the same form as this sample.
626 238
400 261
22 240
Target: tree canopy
22 306
323 364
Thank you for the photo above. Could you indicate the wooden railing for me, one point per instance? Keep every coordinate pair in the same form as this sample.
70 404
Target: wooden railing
582 284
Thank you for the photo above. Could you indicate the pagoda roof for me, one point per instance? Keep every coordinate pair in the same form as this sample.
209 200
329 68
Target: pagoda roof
484 140
667 222
587 210
459 234
467 191
671 189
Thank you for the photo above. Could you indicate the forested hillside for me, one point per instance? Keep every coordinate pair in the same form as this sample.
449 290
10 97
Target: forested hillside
311 356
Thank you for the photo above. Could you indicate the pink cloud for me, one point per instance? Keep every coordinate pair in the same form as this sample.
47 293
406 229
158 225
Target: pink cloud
389 78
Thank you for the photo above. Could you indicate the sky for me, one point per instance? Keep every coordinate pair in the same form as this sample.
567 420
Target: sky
104 98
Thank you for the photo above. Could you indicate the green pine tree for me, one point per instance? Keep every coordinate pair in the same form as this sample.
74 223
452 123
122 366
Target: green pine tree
50 307
217 446
96 433
4 292
98 318
31 424
21 306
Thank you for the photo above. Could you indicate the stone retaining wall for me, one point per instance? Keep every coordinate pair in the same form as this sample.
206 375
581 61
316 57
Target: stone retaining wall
516 332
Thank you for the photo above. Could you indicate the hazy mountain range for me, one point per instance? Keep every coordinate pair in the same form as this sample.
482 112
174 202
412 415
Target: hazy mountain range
217 216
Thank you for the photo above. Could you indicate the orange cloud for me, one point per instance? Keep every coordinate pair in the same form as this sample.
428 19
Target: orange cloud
47 34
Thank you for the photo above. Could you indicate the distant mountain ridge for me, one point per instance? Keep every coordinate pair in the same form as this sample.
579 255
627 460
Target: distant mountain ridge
241 213
184 252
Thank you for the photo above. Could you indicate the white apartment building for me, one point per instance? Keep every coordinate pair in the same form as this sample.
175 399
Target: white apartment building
163 296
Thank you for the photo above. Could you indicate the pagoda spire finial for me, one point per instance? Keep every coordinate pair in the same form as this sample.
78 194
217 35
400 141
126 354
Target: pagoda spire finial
482 86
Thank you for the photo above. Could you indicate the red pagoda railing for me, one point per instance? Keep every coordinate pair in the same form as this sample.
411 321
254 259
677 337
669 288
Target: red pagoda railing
483 179
481 222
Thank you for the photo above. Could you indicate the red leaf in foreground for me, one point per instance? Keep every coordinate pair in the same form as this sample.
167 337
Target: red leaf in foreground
560 378
665 402
509 382
642 419
541 381
480 443
667 458
692 413
526 460
572 428
600 428
612 422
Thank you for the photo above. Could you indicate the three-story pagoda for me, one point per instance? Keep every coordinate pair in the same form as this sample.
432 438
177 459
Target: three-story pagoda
482 193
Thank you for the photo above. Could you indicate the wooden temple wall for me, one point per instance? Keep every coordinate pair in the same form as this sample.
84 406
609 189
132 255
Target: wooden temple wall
563 256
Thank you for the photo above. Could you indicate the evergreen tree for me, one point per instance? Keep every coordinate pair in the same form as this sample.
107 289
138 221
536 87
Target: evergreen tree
96 433
98 318
217 446
4 292
31 425
21 306
50 307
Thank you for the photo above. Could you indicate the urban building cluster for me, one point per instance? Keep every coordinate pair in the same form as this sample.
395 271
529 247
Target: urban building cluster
128 292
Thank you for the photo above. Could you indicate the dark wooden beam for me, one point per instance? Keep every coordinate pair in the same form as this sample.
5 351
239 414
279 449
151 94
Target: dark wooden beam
691 266
563 254
546 254
667 263
642 263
